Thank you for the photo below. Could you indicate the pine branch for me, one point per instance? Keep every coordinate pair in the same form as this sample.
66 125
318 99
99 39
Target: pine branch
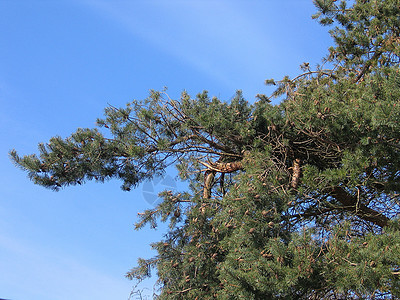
352 204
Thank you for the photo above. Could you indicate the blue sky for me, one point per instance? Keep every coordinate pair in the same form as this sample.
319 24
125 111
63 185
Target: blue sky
62 62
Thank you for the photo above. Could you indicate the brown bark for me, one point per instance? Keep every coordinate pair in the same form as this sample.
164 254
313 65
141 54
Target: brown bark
296 173
212 169
208 183
224 167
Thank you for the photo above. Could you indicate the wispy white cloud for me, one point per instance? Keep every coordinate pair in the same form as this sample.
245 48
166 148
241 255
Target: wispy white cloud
214 37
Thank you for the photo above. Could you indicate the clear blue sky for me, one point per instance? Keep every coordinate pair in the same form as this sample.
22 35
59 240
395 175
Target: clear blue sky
61 62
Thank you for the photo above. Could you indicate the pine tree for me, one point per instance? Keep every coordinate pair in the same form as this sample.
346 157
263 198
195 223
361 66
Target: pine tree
298 200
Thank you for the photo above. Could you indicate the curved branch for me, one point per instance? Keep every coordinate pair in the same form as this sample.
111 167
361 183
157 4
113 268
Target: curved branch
212 169
224 167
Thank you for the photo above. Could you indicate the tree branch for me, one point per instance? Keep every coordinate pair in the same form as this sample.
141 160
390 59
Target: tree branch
352 204
212 169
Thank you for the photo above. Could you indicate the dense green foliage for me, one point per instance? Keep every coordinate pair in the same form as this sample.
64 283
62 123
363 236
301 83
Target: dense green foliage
292 201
